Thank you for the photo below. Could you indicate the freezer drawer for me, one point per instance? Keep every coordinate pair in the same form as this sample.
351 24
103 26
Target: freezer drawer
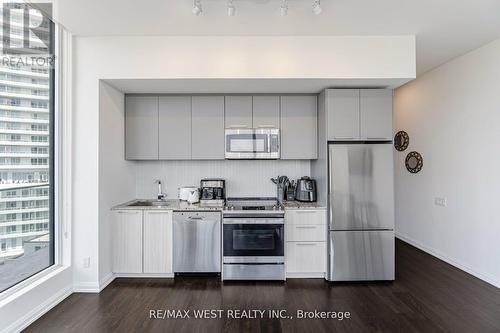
361 255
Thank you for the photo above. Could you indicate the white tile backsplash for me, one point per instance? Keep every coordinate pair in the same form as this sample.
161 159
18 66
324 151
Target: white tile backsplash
243 178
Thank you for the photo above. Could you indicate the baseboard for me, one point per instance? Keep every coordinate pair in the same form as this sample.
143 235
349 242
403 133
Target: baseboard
105 281
86 287
305 275
39 311
485 277
144 275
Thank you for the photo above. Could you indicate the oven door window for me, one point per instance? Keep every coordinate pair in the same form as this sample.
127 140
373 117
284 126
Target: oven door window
247 143
253 240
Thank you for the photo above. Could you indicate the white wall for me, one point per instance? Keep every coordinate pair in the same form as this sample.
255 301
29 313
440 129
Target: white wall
452 115
243 178
238 57
116 176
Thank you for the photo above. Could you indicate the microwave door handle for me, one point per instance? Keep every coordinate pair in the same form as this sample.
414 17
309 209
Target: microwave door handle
269 143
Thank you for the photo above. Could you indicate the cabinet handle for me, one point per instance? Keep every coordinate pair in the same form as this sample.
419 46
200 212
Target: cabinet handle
306 244
343 137
306 227
266 126
125 212
158 212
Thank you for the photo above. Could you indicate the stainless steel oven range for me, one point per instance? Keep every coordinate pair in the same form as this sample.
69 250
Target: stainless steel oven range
253 239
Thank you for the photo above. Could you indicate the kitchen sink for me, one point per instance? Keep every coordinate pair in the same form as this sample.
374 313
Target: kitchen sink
148 203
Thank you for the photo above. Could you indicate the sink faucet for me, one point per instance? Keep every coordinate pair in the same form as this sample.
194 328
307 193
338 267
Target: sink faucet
161 195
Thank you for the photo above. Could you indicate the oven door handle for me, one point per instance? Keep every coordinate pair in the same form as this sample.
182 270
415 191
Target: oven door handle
252 221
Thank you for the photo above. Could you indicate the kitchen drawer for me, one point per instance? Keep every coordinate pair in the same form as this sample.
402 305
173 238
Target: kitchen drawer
306 257
305 233
306 216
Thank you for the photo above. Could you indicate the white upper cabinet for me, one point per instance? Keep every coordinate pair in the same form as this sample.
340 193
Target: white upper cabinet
359 114
266 111
299 127
376 114
238 111
343 114
174 124
207 128
141 127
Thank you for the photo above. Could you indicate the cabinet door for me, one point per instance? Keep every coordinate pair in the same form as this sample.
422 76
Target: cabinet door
266 111
157 242
299 127
238 111
376 114
174 128
343 114
207 128
127 241
305 216
306 257
141 127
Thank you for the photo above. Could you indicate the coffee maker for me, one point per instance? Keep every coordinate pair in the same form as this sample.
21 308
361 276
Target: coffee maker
213 192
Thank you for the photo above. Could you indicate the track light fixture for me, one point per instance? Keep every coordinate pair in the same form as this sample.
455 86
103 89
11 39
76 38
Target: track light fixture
284 8
197 10
316 8
231 10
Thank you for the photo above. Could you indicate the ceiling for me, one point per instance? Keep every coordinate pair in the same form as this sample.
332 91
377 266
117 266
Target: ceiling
444 28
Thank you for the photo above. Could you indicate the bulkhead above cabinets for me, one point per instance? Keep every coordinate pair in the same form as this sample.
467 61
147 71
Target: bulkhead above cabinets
185 127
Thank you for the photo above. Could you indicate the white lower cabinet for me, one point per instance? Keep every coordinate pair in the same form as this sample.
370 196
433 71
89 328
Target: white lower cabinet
142 242
305 259
157 247
127 241
306 236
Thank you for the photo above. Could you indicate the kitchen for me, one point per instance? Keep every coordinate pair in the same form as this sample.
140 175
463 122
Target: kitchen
287 229
250 166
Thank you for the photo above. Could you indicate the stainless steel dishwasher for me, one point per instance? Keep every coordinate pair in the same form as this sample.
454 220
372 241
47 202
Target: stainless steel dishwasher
197 242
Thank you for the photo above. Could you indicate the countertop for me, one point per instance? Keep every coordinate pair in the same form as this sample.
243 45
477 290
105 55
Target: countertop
302 205
175 204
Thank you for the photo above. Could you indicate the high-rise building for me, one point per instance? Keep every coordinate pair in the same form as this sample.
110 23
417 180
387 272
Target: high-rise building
24 150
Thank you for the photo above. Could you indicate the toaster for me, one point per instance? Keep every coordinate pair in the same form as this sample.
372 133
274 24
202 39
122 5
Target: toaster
306 190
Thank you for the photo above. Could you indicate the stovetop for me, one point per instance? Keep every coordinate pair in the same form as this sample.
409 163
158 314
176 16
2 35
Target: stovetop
250 205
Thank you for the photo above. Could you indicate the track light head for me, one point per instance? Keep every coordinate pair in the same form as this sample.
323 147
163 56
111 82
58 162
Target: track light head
197 9
231 9
316 8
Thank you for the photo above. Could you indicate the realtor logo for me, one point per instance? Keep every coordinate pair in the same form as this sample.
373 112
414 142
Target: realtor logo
26 28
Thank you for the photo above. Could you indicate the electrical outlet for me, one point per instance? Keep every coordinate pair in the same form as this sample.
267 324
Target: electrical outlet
440 201
86 262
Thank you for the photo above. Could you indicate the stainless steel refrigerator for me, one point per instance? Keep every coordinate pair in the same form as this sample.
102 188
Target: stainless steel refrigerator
361 212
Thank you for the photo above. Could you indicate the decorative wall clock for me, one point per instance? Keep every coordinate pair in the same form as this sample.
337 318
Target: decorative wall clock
401 141
414 162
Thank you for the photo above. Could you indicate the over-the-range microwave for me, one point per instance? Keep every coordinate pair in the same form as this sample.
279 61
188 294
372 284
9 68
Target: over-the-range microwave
252 143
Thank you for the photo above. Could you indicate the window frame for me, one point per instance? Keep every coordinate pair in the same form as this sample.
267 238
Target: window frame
59 210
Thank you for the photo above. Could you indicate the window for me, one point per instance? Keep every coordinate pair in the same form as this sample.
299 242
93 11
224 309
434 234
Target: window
27 178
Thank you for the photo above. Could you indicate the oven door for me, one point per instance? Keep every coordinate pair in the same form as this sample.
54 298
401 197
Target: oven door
253 241
244 143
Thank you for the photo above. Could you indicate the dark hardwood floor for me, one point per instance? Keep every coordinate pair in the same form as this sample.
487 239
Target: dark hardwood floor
427 296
